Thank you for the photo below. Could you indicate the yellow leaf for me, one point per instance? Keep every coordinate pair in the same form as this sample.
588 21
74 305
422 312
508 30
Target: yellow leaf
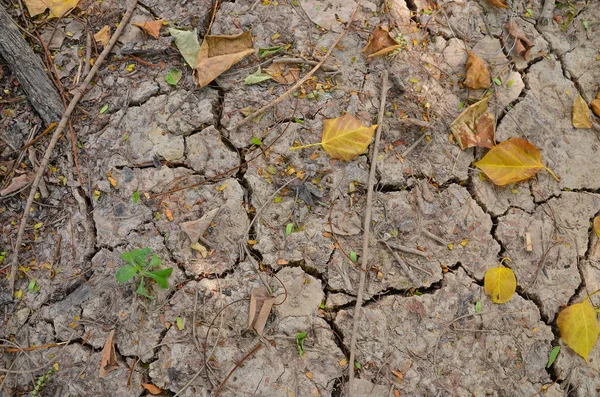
169 214
475 126
19 294
219 53
38 225
511 161
478 75
344 138
103 36
597 226
596 106
150 27
200 248
581 113
58 8
499 284
579 327
112 181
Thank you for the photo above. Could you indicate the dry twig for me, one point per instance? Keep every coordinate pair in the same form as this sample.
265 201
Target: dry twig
79 91
366 235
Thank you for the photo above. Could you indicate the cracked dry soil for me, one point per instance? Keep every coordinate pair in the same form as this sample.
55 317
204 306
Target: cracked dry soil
423 326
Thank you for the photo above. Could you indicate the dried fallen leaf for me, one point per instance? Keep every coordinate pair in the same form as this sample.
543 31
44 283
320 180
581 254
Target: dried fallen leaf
478 75
596 106
344 138
17 183
108 358
597 226
195 229
200 248
579 327
283 74
218 54
581 113
58 8
522 44
261 303
150 27
498 3
169 214
152 389
512 161
380 42
475 126
499 284
187 43
103 36
398 375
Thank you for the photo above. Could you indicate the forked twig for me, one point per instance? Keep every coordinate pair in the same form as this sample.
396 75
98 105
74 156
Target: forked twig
79 91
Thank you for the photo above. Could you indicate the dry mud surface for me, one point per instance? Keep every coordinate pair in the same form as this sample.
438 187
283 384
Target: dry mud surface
422 325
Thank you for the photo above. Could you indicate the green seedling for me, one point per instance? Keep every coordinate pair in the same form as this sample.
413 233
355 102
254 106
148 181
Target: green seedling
300 337
141 267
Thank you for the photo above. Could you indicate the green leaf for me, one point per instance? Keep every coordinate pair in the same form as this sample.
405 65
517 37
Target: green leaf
33 287
357 365
510 83
256 77
180 323
154 261
586 25
478 307
137 256
553 355
103 109
289 228
264 52
300 342
136 197
256 141
126 273
187 43
173 76
2 256
160 276
497 81
353 257
142 290
461 105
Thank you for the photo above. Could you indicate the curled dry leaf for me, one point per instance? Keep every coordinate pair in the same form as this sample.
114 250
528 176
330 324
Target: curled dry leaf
219 53
475 126
498 3
103 36
522 44
581 113
17 183
150 27
344 137
58 8
283 74
579 327
380 42
108 358
499 284
478 75
261 303
512 161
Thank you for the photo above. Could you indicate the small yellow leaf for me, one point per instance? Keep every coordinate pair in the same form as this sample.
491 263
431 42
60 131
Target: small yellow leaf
579 327
200 248
169 214
499 284
464 242
343 362
309 375
597 226
450 246
511 161
19 294
38 225
345 137
103 36
130 67
222 187
112 181
581 113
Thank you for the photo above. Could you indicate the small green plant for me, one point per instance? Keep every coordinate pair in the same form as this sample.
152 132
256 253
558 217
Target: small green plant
41 382
138 264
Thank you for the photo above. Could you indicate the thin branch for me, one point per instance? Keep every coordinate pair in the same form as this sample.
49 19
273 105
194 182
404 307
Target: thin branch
366 234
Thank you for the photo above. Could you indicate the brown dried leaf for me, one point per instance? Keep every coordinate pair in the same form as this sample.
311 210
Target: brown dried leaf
150 27
380 42
478 75
597 226
596 106
195 229
498 3
522 44
103 36
475 126
218 54
261 303
108 359
581 113
283 74
17 183
152 389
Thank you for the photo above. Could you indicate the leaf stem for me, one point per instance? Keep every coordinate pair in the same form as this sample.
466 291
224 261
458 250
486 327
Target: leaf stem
552 173
305 146
592 294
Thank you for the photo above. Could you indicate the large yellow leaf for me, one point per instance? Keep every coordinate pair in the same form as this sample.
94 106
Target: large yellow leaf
499 284
344 138
581 113
511 161
58 8
218 54
475 126
579 327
